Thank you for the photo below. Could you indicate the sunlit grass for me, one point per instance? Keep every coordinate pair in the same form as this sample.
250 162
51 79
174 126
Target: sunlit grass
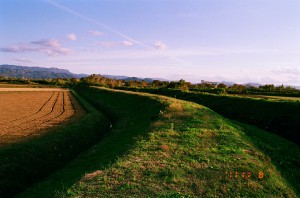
162 147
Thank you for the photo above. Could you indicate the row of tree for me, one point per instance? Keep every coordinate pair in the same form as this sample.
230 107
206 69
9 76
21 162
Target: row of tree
98 80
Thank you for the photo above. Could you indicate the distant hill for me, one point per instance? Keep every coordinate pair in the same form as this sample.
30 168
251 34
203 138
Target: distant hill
228 83
127 78
36 72
252 84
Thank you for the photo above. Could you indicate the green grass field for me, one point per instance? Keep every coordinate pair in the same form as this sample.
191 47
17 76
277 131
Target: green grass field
275 98
278 116
163 147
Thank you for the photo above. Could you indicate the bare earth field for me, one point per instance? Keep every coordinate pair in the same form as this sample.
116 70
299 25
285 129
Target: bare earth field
25 112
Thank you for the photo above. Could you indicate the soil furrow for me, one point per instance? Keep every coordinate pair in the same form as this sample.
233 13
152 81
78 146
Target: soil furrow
28 115
39 121
7 118
58 108
25 121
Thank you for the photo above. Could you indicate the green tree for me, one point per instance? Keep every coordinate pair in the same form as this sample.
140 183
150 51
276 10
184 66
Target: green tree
222 85
268 87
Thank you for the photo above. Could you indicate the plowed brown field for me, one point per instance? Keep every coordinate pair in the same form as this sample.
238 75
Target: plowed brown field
25 112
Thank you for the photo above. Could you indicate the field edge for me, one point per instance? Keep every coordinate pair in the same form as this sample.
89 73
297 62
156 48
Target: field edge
29 163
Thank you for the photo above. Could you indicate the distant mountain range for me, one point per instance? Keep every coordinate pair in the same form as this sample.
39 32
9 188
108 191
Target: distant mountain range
17 71
127 78
36 72
245 84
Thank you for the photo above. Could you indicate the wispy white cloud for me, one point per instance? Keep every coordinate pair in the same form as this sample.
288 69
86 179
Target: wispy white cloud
57 51
22 60
47 43
21 47
60 6
98 54
115 44
107 44
160 45
72 37
218 51
289 71
127 43
157 45
95 33
50 47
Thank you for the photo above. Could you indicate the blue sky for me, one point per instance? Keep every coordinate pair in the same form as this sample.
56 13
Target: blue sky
218 40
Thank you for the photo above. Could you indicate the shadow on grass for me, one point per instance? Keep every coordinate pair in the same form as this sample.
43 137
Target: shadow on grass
285 155
27 162
130 115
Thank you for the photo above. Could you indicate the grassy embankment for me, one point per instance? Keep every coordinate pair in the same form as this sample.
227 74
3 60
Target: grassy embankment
166 147
278 116
267 97
32 85
24 163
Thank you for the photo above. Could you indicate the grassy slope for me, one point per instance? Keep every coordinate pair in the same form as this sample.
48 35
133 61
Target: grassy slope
24 163
279 117
166 147
267 97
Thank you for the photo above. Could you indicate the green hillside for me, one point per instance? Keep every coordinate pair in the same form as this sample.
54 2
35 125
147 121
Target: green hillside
163 147
278 116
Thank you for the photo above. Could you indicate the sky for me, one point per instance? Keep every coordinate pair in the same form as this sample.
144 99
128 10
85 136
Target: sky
216 40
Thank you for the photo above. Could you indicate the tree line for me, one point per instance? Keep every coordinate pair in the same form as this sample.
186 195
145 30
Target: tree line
99 80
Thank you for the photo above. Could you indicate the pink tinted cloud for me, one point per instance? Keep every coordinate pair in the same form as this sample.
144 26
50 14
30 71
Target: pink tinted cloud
107 44
21 47
160 45
115 44
127 43
47 43
290 71
72 37
57 51
50 47
95 33
22 60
